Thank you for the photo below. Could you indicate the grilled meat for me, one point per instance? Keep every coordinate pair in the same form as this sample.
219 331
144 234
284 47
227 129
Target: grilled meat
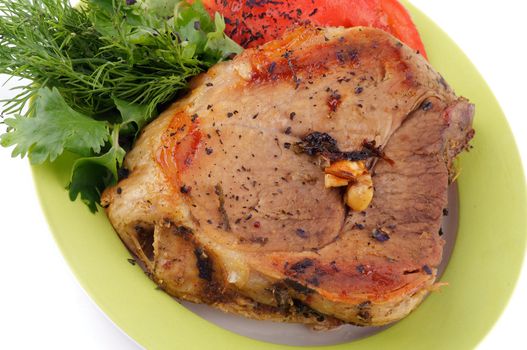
225 205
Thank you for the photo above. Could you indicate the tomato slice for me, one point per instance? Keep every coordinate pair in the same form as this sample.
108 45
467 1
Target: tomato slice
253 22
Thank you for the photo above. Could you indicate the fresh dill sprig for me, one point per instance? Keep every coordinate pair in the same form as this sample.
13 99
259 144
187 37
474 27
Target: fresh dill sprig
102 50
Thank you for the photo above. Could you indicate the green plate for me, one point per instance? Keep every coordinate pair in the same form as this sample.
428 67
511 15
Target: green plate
481 274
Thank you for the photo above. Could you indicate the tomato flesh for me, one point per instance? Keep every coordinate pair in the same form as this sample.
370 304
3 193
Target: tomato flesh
253 22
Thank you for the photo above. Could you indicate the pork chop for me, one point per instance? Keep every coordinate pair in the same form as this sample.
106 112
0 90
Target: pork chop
222 208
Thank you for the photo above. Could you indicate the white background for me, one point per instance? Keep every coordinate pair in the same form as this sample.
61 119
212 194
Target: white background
43 307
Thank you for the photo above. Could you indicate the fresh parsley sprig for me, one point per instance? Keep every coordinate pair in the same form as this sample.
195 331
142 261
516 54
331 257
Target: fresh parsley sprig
99 72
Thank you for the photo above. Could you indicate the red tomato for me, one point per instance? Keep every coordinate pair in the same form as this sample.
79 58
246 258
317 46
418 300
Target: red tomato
253 22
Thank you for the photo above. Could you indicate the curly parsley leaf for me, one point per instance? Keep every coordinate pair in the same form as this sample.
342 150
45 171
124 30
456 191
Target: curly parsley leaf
91 175
55 127
218 42
202 34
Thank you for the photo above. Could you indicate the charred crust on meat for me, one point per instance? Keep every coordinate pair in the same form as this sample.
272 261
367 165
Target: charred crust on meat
293 309
319 143
218 189
179 230
298 287
372 149
145 238
307 311
364 311
183 231
281 296
204 264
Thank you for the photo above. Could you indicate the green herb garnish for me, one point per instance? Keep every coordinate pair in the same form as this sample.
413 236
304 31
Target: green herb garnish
97 74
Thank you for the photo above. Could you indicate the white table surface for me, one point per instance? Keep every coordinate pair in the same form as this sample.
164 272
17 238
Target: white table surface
42 306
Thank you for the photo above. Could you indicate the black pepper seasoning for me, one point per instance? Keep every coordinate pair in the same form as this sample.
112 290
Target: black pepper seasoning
380 235
361 269
301 233
427 269
426 106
